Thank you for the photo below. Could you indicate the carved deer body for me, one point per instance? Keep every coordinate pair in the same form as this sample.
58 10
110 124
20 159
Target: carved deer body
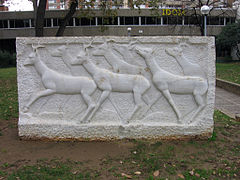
108 81
168 83
57 83
189 69
119 65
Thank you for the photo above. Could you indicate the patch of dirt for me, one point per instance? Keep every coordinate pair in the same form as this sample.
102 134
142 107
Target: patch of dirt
215 158
16 151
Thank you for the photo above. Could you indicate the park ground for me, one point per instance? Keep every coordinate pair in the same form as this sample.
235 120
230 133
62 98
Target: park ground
215 158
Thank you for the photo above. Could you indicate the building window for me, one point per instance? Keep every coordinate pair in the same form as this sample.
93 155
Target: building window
85 22
12 23
3 24
151 20
110 21
55 22
47 23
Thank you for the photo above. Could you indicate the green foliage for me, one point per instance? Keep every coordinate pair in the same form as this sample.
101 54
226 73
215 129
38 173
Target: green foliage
7 59
61 171
230 35
8 93
228 71
214 137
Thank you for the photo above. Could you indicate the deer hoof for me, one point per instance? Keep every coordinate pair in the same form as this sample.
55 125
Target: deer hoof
179 122
125 121
84 122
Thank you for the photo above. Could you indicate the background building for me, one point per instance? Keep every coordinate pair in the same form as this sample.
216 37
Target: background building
2 6
57 4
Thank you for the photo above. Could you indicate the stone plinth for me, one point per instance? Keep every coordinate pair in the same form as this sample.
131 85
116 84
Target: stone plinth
103 88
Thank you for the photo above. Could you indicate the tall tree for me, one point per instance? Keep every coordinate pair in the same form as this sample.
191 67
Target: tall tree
39 18
66 19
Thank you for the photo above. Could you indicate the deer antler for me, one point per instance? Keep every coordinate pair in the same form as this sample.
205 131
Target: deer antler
85 47
36 47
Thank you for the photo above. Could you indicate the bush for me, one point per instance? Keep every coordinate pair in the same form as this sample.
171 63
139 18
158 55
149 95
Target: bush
230 35
7 59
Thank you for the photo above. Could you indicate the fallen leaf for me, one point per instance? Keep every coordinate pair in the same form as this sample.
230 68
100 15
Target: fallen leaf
126 175
164 165
75 172
156 173
134 162
191 172
137 173
214 172
192 157
181 176
197 175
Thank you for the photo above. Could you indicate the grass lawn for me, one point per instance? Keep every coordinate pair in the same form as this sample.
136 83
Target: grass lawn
215 158
228 71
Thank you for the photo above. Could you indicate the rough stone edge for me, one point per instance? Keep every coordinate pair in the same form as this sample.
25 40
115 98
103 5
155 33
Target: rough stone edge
203 136
229 86
200 134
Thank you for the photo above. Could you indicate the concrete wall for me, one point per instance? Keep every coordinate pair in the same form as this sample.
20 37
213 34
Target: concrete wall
112 30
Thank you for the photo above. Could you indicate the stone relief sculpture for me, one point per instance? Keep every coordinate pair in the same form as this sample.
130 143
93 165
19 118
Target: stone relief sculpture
118 64
101 88
108 82
57 83
170 83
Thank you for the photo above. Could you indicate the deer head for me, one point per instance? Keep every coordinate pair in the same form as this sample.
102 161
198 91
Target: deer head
81 58
59 51
174 52
32 57
100 50
143 52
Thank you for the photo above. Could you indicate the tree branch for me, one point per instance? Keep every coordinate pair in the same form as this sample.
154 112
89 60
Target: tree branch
66 19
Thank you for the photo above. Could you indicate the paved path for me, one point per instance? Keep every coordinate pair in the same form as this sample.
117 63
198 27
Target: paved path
227 102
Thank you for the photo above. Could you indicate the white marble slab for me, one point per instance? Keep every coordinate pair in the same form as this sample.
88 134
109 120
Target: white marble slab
102 88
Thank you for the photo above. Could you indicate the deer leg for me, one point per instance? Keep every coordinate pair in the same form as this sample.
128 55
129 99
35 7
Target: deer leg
36 96
138 102
168 96
150 104
90 104
200 102
102 98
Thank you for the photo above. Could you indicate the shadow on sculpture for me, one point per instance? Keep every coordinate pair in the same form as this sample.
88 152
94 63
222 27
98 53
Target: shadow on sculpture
108 82
167 83
57 83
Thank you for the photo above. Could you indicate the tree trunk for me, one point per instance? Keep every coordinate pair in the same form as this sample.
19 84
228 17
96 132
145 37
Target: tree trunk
40 18
66 19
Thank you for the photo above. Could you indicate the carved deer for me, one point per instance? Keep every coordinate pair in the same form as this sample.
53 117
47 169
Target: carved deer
62 51
57 83
189 68
108 81
170 83
119 65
